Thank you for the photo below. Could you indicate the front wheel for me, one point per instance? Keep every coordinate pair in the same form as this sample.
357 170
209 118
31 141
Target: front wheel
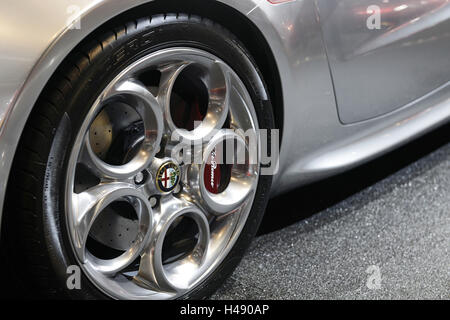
128 170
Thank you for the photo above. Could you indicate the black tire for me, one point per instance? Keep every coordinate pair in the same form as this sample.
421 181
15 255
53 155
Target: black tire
35 227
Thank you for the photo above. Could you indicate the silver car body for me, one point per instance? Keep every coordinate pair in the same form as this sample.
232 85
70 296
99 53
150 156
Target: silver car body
350 93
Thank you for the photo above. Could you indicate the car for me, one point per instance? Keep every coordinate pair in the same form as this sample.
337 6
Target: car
140 141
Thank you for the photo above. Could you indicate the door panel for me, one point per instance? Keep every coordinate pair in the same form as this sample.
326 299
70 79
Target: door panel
376 71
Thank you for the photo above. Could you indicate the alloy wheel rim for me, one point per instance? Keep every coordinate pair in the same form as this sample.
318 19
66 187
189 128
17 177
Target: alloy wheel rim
211 219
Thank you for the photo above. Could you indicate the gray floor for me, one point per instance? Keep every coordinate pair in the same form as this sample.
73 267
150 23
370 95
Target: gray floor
399 226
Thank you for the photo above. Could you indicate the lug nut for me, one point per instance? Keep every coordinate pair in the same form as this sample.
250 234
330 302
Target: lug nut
139 178
153 201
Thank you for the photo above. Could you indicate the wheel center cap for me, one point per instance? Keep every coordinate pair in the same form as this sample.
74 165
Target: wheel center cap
168 177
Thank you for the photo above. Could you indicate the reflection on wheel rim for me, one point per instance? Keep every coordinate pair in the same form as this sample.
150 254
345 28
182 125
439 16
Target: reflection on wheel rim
144 225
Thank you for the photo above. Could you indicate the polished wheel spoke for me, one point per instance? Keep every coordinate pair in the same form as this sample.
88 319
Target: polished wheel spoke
147 105
215 84
169 74
135 95
230 153
178 275
88 205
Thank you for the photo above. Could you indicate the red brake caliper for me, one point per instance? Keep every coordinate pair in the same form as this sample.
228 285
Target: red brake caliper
187 114
212 174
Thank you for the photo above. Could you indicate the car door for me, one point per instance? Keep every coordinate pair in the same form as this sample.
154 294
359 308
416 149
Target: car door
385 54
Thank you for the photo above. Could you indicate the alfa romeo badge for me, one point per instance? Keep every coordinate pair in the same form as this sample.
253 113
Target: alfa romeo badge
168 177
